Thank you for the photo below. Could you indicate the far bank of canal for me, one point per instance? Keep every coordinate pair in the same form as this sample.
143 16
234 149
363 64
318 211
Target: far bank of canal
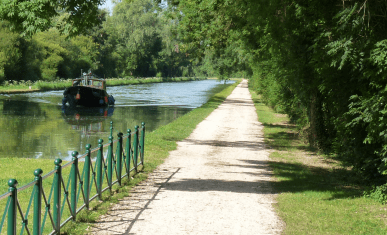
35 125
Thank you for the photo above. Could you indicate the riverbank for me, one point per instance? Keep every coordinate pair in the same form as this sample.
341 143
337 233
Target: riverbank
28 86
158 144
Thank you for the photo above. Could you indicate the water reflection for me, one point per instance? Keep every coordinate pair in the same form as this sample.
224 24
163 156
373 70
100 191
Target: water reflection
87 120
21 108
35 125
86 115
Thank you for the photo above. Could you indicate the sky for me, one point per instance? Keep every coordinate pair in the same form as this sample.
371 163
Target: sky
108 5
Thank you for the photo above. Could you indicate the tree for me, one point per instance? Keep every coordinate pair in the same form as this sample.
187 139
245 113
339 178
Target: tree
133 28
61 57
31 16
10 52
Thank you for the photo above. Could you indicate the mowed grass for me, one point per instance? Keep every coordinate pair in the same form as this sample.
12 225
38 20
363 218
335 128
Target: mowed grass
157 146
316 195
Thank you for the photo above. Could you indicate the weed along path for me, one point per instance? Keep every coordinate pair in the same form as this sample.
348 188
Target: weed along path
216 182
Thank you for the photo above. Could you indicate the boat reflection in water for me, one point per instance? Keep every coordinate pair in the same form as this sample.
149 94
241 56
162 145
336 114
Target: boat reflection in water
88 120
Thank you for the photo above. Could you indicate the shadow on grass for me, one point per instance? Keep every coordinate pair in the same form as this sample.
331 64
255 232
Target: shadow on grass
171 138
296 178
299 177
280 138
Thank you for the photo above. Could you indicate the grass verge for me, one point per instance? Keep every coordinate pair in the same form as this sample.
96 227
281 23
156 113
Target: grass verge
315 194
158 144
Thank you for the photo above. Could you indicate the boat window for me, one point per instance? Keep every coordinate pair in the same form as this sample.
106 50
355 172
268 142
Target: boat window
98 83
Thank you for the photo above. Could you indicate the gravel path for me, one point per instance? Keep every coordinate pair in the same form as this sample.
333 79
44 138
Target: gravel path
216 182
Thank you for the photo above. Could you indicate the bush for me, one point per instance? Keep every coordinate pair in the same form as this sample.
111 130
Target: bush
379 193
159 75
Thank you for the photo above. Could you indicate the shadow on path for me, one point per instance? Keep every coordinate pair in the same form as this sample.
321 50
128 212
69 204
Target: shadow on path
230 144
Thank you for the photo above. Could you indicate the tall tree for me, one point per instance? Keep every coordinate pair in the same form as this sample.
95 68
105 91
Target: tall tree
134 30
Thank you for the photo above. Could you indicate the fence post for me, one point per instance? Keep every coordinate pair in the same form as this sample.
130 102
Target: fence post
99 168
142 143
110 158
119 157
128 152
37 202
86 181
57 194
12 209
74 182
135 147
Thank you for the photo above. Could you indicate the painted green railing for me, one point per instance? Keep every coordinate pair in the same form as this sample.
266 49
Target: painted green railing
87 179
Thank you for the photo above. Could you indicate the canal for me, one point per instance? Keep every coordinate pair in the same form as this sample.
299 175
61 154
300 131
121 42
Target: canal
35 125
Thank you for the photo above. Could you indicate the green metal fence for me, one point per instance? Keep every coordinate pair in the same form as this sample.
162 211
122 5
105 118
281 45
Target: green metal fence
90 175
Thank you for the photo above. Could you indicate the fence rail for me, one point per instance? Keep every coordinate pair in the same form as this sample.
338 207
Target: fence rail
86 181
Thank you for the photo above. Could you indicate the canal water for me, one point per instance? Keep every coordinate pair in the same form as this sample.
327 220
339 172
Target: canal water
35 125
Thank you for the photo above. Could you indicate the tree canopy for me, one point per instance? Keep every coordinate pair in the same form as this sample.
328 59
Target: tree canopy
31 16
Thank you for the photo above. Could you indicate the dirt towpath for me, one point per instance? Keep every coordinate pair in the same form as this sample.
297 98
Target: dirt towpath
216 182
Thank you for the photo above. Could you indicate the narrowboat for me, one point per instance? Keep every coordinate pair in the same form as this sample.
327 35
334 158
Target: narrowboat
87 91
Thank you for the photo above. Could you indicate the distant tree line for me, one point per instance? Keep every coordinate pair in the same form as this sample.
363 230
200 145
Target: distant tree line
139 39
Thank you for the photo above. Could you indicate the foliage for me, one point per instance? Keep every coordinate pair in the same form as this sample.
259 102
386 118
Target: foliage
9 52
322 63
134 31
378 193
140 38
32 16
46 56
171 61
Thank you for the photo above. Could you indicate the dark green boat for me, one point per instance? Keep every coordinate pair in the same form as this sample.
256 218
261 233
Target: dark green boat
87 91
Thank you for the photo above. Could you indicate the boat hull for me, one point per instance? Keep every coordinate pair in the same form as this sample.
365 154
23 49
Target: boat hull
85 96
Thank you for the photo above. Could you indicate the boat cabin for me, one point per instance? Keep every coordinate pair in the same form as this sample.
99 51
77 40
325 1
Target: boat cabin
89 81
